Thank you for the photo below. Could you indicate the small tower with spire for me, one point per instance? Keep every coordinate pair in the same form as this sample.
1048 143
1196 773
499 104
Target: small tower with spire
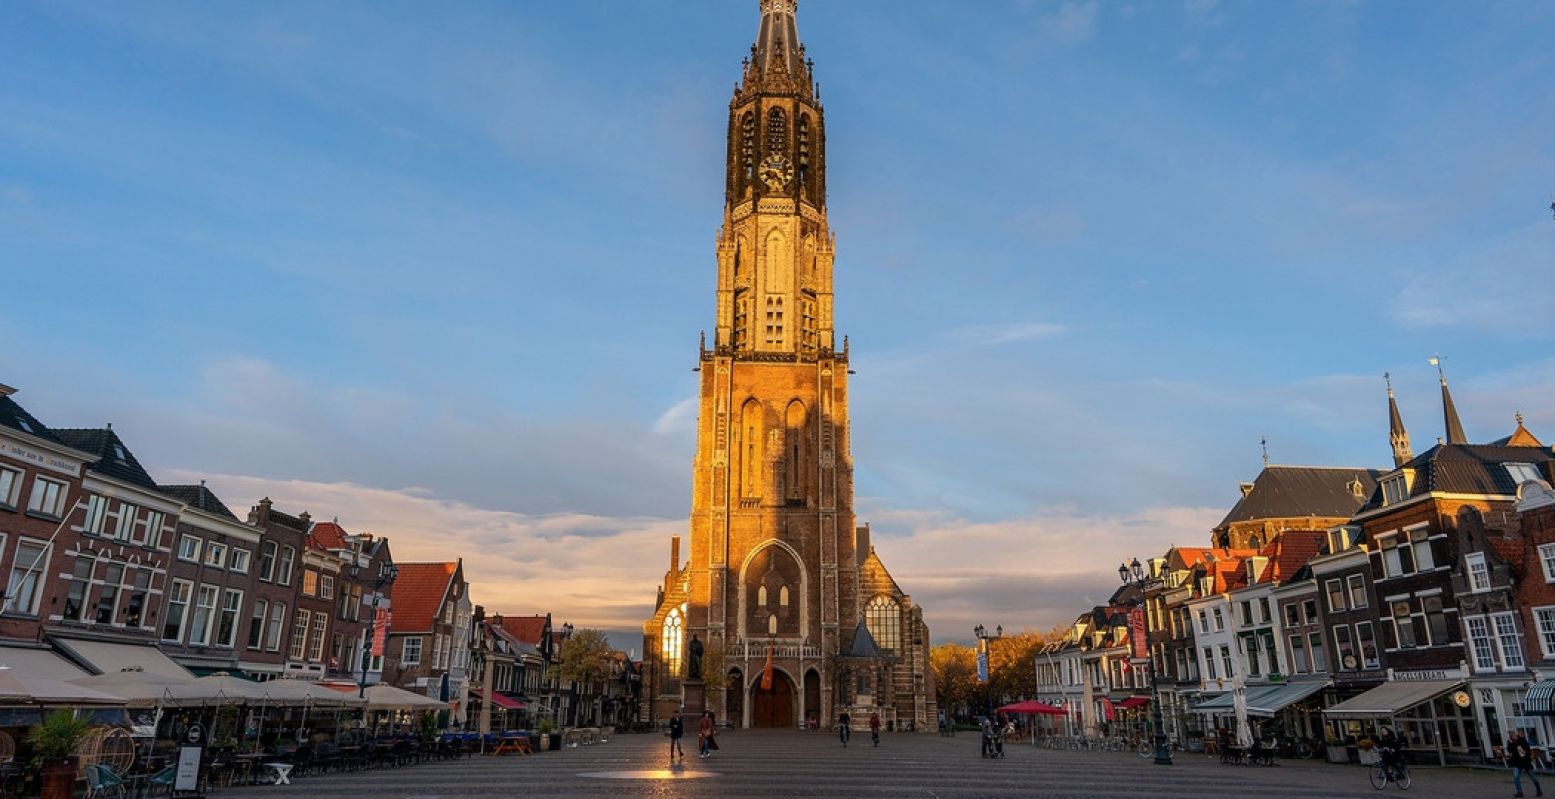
1449 411
1398 437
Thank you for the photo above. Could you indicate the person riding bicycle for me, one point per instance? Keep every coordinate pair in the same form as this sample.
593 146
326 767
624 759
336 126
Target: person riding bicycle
1388 750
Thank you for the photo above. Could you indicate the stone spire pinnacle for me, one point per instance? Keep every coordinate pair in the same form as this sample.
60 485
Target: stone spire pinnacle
777 63
1449 411
1398 437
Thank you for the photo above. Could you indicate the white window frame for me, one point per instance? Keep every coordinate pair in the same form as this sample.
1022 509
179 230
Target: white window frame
300 626
54 493
124 530
326 586
271 550
1544 618
287 563
1355 586
215 554
1508 640
200 592
1478 572
240 560
1522 472
19 576
258 614
275 628
96 514
1335 587
411 655
193 553
173 592
10 486
1482 653
231 605
155 519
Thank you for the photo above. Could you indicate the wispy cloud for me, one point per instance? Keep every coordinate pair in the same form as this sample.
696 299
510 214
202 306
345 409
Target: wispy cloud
989 335
1073 22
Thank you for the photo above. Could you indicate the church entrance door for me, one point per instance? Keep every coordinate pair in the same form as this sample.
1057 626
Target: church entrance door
773 707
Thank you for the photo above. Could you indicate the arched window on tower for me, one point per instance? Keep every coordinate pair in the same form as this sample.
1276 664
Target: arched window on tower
671 640
761 597
772 624
783 596
750 450
748 148
794 452
777 130
883 617
804 156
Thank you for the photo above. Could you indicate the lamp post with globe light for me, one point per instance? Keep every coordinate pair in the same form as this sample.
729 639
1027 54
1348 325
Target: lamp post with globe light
1134 574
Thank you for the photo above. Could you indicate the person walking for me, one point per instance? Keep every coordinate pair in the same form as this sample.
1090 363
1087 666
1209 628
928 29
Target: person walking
874 728
1520 757
677 729
705 733
843 725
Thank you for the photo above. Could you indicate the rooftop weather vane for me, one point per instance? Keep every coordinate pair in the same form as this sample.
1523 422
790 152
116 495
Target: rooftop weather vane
1264 442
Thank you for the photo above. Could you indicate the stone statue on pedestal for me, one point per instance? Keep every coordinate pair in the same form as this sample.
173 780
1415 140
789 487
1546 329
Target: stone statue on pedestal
695 646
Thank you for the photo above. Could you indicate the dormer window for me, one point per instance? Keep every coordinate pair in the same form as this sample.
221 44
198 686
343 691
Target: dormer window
1521 472
1395 489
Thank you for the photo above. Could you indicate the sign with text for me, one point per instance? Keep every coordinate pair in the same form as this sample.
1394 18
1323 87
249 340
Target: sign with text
1136 631
982 665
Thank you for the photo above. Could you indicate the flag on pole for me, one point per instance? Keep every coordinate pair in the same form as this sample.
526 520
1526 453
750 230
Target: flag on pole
766 671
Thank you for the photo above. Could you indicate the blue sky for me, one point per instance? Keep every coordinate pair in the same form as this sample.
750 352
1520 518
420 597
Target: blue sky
441 271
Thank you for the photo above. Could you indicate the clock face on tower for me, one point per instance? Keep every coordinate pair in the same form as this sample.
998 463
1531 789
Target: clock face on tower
776 172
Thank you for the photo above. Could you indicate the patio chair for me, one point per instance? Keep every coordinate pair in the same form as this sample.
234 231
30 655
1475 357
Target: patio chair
162 782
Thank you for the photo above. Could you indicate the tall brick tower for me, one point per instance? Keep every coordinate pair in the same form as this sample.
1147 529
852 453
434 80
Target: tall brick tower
774 563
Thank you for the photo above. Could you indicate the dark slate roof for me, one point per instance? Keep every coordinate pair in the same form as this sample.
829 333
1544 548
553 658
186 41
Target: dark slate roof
201 498
1291 491
864 646
114 459
1467 469
16 417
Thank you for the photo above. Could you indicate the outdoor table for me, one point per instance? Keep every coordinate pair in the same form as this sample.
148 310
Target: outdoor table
518 744
282 771
250 760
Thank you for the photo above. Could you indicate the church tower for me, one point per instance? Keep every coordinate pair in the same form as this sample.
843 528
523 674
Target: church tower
771 586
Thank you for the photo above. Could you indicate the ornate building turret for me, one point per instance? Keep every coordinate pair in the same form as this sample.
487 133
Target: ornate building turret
1398 437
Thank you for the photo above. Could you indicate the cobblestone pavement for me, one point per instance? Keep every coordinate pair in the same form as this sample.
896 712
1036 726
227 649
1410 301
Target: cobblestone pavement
759 763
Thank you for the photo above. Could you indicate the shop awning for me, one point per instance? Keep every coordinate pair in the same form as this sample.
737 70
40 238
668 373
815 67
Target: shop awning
1538 702
501 700
109 656
1272 702
1391 698
38 662
1133 702
1222 703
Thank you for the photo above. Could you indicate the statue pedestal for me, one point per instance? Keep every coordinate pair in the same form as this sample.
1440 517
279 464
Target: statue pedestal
695 696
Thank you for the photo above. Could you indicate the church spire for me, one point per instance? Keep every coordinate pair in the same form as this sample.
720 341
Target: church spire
1449 411
1398 437
777 64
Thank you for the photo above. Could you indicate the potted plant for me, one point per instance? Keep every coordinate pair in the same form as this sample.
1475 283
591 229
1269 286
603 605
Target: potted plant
1366 751
1334 750
54 741
546 727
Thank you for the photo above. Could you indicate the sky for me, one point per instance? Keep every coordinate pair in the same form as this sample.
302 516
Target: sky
439 270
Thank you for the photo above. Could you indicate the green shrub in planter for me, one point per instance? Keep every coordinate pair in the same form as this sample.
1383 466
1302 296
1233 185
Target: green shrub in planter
58 735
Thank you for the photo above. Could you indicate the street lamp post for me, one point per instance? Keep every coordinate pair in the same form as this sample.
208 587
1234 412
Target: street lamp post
384 577
1134 574
983 650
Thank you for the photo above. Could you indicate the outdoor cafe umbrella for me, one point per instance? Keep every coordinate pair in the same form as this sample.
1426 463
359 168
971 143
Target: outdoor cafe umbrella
149 689
387 697
1029 707
1244 733
43 691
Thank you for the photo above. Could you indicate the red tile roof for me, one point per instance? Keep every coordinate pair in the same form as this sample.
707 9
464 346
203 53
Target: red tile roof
529 629
418 594
1288 552
328 535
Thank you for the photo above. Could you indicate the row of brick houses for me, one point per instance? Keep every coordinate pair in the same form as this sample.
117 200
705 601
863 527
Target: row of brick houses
1336 600
107 569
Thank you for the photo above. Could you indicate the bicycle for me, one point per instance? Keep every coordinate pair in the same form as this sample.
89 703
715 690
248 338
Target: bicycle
1383 772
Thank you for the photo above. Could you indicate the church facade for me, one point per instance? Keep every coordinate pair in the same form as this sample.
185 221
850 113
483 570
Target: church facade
797 618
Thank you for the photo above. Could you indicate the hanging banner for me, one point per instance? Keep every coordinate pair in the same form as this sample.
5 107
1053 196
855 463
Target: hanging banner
1136 630
982 666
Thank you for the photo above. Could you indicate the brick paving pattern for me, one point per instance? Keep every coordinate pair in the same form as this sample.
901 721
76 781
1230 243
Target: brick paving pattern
754 763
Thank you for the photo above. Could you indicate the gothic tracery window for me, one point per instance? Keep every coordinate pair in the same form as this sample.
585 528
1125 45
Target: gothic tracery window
883 617
671 641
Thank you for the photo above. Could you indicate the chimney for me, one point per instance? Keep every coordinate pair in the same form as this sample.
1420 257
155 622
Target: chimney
674 554
1245 488
306 519
861 540
260 513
